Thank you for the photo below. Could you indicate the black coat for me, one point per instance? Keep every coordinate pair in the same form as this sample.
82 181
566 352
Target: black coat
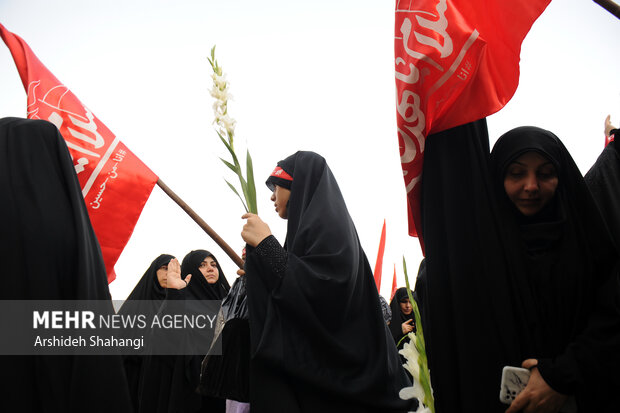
318 338
49 252
492 297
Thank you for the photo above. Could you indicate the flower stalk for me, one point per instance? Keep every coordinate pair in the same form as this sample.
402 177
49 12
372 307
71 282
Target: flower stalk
414 352
225 128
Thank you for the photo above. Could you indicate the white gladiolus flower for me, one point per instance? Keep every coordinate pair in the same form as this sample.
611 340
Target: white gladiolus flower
220 94
219 81
228 123
411 354
414 392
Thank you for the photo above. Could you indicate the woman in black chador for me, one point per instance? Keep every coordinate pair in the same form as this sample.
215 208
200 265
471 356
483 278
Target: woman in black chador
319 341
403 321
49 251
170 382
521 271
144 301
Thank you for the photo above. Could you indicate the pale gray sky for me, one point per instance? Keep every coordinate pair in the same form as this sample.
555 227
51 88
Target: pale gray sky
314 76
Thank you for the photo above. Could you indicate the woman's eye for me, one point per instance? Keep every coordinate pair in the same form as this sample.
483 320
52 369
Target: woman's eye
546 174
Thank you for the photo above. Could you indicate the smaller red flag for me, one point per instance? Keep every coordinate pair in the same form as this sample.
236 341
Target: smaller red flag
379 264
394 288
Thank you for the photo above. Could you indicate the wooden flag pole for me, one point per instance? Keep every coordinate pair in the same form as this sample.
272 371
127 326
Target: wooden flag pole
218 240
610 6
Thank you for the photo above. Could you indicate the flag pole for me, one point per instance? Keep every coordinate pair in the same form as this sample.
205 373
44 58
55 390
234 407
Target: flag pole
610 6
218 240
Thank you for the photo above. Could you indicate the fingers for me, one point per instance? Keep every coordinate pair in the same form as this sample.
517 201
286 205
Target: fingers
518 404
240 272
188 278
409 321
529 363
174 268
608 126
248 215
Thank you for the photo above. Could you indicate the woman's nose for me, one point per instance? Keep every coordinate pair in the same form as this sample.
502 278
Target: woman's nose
531 183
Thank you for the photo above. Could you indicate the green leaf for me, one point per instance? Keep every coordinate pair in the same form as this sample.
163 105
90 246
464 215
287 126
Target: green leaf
235 191
251 186
230 149
425 375
228 164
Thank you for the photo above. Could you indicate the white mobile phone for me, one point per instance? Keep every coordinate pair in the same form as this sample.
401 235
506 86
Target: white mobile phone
514 380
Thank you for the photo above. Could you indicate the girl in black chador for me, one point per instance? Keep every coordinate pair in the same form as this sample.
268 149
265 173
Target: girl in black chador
318 338
403 321
520 271
49 251
170 382
144 300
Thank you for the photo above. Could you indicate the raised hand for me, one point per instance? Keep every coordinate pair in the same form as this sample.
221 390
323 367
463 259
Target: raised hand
174 279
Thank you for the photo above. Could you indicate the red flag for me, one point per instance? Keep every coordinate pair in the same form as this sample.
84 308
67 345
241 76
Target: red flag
394 288
114 182
379 264
456 61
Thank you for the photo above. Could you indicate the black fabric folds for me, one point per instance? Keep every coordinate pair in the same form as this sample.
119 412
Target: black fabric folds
500 288
603 179
49 252
227 375
145 299
319 341
170 382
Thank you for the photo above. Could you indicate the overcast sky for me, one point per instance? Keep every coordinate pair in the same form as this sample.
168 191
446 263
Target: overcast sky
305 76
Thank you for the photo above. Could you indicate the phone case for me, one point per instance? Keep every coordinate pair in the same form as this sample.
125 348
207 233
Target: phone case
514 380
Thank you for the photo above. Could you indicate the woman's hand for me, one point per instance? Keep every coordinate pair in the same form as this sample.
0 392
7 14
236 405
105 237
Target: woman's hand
537 397
407 326
254 230
608 126
174 279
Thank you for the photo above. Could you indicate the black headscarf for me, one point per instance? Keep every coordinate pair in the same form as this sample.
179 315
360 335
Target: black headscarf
145 299
49 252
320 327
398 317
198 287
147 288
500 288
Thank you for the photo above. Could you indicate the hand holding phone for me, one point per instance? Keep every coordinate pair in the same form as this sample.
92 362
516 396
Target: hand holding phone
514 380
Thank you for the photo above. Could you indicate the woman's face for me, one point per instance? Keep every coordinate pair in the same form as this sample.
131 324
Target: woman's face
280 198
530 182
162 274
405 306
208 268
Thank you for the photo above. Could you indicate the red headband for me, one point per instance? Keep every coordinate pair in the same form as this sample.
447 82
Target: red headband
281 173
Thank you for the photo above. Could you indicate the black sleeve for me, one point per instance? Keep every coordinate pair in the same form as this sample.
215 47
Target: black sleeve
174 295
272 257
589 364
